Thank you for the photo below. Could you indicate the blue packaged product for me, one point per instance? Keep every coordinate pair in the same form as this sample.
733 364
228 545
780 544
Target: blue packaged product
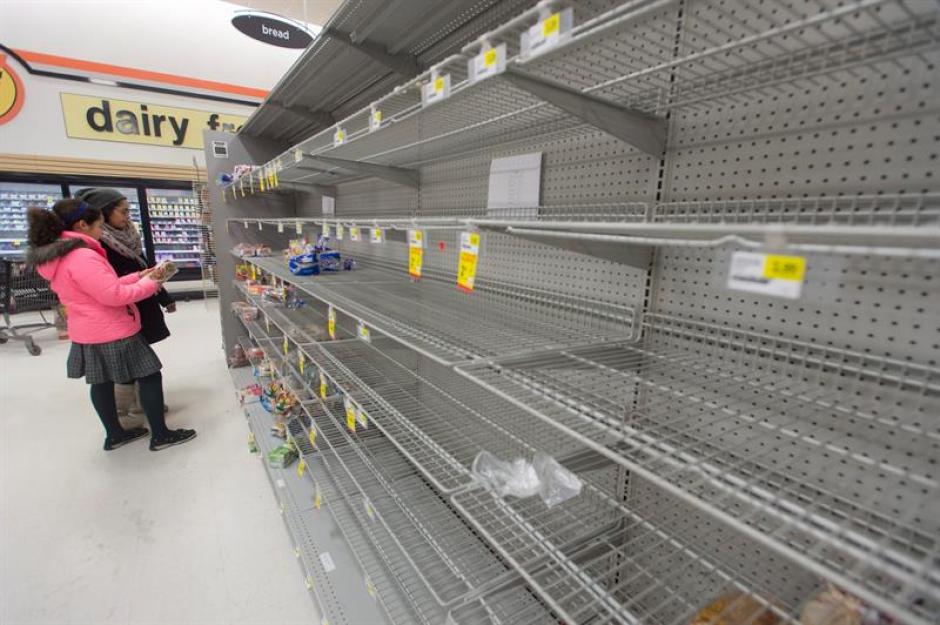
304 265
330 261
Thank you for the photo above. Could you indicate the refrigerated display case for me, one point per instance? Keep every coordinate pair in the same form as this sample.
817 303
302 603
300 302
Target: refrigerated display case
176 227
15 198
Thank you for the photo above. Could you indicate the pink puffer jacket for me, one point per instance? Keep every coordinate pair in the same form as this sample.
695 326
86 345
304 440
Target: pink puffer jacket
99 305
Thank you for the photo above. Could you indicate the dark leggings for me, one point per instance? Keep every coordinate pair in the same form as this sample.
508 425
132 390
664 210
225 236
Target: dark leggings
151 400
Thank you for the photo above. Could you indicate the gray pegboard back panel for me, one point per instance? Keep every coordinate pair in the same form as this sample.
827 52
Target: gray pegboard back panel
881 306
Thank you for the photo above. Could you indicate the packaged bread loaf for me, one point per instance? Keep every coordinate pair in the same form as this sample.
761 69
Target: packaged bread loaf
735 609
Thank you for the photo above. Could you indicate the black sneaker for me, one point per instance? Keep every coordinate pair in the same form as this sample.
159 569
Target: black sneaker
130 434
173 437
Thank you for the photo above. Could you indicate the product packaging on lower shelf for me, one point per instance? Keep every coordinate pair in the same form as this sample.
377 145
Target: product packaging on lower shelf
281 457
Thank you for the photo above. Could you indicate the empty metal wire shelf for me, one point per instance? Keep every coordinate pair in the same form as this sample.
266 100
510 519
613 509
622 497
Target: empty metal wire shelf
758 430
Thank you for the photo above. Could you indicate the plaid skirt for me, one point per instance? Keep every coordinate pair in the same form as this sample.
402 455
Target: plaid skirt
120 361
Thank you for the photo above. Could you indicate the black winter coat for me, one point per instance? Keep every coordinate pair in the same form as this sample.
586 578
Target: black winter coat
152 324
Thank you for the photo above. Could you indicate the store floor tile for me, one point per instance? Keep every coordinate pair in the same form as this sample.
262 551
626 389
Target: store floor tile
188 535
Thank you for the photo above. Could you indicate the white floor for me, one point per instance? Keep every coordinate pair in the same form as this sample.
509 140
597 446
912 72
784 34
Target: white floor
187 535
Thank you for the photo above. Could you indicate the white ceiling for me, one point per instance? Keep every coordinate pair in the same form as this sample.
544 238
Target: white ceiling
312 11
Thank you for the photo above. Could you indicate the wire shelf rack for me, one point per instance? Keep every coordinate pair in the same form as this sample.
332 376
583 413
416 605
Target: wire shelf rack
446 325
751 427
403 518
717 62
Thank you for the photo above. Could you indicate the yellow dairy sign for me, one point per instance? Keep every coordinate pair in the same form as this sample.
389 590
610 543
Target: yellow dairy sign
108 119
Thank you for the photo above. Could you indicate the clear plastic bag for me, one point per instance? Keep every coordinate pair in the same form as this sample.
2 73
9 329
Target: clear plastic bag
544 476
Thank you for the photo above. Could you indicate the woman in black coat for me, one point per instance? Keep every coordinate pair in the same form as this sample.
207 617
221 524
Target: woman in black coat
121 241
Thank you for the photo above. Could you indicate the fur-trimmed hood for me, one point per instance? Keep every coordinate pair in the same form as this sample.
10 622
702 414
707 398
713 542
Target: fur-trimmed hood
36 256
46 258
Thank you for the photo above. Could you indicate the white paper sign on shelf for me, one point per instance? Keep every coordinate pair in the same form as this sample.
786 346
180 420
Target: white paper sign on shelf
488 63
298 155
436 90
515 186
327 561
339 136
767 274
378 235
375 119
329 205
551 30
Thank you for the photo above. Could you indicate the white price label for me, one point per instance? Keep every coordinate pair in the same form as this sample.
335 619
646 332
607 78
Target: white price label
339 136
259 226
298 227
436 90
280 227
354 233
361 418
339 232
378 235
327 561
490 62
364 334
547 34
298 155
767 274
375 119
370 511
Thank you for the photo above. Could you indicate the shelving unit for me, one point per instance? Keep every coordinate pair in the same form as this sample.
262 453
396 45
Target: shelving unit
731 440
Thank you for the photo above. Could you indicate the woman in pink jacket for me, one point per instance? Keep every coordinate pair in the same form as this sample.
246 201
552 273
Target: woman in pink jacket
104 324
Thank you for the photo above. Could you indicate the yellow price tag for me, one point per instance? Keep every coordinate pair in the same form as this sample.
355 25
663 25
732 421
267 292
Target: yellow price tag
286 345
276 183
361 418
300 362
467 264
267 324
551 24
377 116
350 414
312 435
489 57
331 322
317 499
438 84
301 467
254 272
791 268
415 253
323 388
261 182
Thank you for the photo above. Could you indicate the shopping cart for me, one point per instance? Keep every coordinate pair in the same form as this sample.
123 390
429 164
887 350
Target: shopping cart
23 290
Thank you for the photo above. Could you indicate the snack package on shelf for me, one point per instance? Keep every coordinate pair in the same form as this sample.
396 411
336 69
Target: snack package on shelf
330 261
735 608
255 354
835 607
249 395
249 313
249 250
281 457
242 271
349 264
296 247
237 358
304 265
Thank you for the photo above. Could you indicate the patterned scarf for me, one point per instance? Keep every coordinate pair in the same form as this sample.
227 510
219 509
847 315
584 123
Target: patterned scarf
125 242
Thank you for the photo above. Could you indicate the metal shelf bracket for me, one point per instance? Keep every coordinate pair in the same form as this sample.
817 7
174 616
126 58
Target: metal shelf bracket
398 175
643 131
402 64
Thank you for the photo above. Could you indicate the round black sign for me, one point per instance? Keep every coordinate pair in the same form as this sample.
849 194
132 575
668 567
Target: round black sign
270 29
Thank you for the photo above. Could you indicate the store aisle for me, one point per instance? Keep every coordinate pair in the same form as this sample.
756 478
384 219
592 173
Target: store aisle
186 535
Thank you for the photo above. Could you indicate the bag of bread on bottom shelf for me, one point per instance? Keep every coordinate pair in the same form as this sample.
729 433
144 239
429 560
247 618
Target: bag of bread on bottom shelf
835 607
735 608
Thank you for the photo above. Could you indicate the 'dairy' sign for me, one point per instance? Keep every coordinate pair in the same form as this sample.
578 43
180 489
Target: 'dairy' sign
108 119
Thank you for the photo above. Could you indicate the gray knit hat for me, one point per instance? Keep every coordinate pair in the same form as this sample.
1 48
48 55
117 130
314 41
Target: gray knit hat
100 197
